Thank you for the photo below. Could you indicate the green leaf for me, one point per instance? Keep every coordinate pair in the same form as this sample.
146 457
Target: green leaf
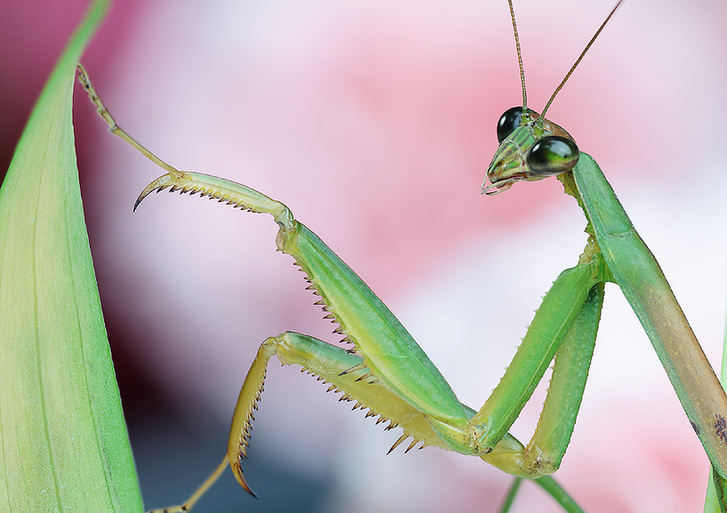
712 503
63 440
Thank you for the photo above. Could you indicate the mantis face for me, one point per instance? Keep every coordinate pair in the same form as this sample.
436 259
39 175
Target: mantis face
531 148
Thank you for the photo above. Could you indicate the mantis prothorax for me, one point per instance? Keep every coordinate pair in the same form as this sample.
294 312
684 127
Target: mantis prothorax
385 371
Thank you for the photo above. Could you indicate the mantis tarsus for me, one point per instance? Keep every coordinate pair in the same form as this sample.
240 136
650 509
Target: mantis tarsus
592 270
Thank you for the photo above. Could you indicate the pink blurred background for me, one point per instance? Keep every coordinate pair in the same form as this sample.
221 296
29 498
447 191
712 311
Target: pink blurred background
374 122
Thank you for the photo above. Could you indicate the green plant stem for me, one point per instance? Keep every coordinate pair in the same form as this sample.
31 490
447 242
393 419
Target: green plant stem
560 496
712 504
511 494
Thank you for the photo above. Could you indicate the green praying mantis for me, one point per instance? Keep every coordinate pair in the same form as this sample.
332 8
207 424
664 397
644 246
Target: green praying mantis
385 371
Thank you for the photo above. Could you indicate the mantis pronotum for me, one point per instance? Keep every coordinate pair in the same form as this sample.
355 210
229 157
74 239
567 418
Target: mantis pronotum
283 221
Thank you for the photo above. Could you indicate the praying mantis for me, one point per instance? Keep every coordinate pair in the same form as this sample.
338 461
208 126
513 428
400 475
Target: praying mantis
593 268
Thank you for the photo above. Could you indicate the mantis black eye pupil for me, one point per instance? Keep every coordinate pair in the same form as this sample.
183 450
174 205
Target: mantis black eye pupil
553 155
508 122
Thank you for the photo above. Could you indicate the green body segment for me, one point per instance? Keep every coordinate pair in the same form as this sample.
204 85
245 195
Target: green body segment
560 307
389 351
638 274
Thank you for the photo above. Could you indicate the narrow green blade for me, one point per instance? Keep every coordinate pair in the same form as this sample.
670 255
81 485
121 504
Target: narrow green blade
63 440
557 492
511 494
712 503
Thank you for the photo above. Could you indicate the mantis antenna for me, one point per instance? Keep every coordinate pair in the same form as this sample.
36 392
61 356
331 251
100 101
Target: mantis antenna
575 64
519 53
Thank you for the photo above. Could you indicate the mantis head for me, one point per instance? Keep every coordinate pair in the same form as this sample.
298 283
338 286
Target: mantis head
531 148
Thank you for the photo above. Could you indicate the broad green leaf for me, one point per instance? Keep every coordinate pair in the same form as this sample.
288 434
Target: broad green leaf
63 440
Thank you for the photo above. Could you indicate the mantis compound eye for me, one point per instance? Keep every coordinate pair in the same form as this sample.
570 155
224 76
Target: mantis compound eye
508 122
552 155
